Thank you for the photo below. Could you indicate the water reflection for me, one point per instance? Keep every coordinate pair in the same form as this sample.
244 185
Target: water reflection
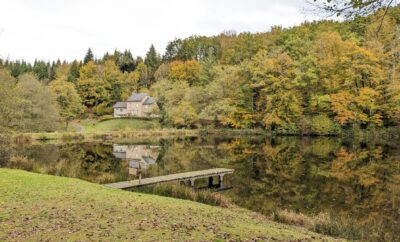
139 157
358 179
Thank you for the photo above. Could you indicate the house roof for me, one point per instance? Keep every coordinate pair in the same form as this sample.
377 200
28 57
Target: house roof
149 101
120 105
136 97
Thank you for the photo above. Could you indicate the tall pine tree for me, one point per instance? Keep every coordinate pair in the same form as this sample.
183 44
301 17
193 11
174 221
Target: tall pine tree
125 61
73 74
88 57
152 59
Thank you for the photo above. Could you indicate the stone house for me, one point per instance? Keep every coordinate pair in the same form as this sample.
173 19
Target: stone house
137 105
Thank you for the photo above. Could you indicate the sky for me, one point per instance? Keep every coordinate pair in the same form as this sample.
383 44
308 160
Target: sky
65 29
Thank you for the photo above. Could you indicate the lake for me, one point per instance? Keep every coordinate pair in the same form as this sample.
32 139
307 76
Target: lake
353 179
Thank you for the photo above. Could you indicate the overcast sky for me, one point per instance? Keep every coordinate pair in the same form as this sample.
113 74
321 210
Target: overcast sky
65 29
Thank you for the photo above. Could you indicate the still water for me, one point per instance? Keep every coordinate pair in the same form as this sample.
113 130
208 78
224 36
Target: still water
355 179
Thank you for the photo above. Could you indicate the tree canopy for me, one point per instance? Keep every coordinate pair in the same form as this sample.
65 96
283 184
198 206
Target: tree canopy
321 77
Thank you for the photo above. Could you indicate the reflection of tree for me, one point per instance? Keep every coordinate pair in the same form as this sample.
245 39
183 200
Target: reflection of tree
307 175
374 183
92 162
310 177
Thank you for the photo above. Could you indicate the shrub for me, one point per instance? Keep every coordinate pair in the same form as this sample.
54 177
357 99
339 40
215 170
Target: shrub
72 136
337 226
188 193
323 125
106 117
21 162
102 109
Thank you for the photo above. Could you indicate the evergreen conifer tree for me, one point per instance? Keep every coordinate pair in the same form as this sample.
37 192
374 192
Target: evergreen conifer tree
88 57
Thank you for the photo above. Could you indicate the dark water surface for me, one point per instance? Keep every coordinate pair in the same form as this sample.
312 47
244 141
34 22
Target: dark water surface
355 179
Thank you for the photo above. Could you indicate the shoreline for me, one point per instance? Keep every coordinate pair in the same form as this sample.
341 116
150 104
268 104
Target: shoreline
121 135
386 133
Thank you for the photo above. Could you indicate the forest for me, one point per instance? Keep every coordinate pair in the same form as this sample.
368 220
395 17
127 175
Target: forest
319 78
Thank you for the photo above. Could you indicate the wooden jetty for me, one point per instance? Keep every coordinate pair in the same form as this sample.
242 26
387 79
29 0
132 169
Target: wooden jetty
186 176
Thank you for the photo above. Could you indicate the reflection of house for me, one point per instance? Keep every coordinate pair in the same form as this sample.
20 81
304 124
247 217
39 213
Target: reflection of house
139 156
137 105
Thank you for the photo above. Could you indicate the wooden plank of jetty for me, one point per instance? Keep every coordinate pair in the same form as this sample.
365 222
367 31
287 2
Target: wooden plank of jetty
192 175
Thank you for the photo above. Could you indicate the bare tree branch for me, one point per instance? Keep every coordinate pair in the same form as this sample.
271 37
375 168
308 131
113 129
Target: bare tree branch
349 9
384 14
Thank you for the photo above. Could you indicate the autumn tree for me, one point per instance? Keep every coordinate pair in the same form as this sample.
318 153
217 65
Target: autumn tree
174 100
188 71
351 8
38 105
272 76
100 86
73 73
10 112
91 88
68 99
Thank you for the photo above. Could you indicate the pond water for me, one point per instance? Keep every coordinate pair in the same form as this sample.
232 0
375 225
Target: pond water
355 179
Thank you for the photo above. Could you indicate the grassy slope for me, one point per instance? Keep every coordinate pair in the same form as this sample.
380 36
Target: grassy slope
118 125
41 207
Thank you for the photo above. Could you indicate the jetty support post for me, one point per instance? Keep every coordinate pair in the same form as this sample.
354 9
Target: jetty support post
220 180
191 181
210 182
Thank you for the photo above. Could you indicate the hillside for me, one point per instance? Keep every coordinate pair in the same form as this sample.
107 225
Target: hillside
41 207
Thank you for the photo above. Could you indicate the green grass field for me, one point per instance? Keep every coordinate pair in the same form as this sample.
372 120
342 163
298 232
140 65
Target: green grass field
38 207
93 126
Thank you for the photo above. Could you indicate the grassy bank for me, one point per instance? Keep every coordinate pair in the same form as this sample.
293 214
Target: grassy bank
121 124
119 129
335 225
66 136
41 207
124 128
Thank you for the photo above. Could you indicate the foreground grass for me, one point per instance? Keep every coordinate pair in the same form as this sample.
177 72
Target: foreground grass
40 207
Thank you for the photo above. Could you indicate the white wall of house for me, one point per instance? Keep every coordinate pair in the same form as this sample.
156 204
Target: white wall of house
120 112
134 109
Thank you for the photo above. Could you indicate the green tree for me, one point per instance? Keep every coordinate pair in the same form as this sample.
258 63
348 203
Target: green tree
100 86
124 61
73 74
41 70
88 57
130 83
111 74
38 105
144 75
272 76
152 59
92 89
208 71
10 111
68 99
